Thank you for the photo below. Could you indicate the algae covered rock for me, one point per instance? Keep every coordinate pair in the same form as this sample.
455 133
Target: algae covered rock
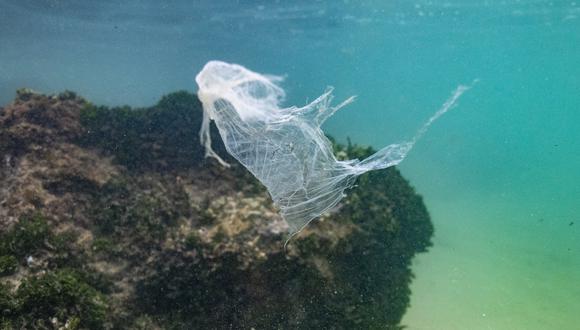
111 218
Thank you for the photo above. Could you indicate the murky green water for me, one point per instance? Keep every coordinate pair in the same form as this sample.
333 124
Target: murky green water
499 173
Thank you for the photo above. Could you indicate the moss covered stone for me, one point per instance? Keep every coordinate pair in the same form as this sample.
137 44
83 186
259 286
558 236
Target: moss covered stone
140 232
356 281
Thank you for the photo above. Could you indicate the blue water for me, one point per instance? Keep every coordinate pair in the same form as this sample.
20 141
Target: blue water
499 173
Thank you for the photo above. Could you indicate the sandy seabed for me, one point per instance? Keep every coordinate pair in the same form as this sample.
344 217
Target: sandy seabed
498 269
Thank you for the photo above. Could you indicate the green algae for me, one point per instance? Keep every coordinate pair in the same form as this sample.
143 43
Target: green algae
68 291
8 265
62 295
116 211
148 137
29 235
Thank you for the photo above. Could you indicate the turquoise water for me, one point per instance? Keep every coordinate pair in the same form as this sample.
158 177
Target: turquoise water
499 173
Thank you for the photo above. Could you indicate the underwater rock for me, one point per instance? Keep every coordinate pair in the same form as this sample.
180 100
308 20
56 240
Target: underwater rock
119 208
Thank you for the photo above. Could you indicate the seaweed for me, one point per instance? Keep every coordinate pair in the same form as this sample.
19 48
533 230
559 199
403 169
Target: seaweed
8 265
28 235
61 294
32 236
148 137
60 297
147 214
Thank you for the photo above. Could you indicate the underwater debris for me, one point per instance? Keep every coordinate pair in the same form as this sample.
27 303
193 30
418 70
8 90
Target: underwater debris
285 148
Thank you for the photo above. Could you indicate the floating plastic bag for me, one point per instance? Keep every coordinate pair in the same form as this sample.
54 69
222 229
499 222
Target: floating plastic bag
285 148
